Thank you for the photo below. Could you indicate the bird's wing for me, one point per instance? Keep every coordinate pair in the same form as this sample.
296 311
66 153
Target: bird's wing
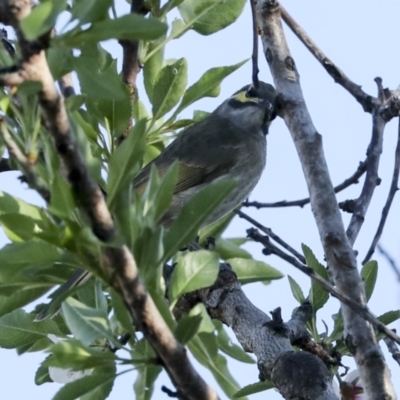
202 156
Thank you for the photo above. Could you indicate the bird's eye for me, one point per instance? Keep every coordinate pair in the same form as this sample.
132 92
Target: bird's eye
251 92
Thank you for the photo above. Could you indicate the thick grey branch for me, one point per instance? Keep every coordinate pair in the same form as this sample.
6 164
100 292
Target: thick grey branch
359 334
297 375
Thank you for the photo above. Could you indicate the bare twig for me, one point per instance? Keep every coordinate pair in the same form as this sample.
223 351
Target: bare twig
130 61
271 234
27 166
359 334
336 73
301 203
385 211
362 310
66 85
393 349
6 43
372 180
118 260
390 260
254 56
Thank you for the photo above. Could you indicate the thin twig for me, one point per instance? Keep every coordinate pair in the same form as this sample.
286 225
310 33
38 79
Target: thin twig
130 62
301 203
6 43
385 211
335 72
66 85
254 56
372 180
363 311
271 234
390 260
393 349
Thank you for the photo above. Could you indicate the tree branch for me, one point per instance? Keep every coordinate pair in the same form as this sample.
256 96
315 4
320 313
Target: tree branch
118 260
362 310
359 335
353 179
271 234
296 374
393 349
390 260
360 206
392 192
366 101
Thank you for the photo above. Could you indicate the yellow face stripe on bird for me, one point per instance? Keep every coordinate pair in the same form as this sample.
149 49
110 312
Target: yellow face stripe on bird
245 97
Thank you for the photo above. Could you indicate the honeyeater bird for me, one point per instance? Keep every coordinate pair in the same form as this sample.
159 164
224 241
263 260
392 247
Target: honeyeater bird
229 144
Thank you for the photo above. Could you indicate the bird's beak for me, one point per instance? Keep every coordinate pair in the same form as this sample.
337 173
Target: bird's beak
266 104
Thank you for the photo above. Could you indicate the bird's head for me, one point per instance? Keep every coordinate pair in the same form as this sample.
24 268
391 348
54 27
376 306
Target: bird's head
250 108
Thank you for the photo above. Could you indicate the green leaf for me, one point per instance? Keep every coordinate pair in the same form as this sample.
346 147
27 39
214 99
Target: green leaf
121 312
193 214
195 270
209 16
253 388
125 161
338 328
226 249
205 349
42 18
101 83
60 61
152 67
62 202
296 290
318 295
86 324
13 205
163 195
131 27
170 86
147 374
85 386
209 85
72 354
18 329
18 227
42 376
102 391
369 273
389 317
248 270
20 299
187 327
90 10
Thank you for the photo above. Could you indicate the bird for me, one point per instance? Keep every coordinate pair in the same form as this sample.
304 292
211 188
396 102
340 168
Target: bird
229 144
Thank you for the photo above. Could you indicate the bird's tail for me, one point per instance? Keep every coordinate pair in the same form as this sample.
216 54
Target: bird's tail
79 277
